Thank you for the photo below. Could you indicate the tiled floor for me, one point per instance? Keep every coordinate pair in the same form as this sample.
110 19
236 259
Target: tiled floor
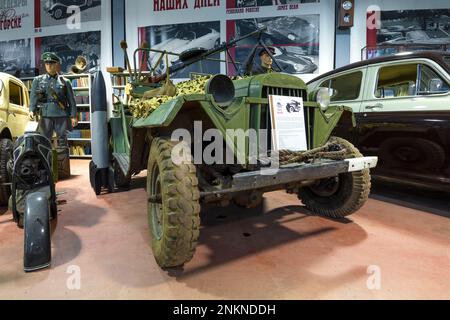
393 248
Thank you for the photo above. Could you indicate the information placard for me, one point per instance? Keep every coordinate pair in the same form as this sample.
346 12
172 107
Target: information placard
288 123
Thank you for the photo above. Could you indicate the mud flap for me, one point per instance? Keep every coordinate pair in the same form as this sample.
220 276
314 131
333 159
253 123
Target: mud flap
37 244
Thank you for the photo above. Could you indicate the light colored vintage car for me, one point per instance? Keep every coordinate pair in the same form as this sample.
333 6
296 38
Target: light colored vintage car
60 9
14 101
201 37
402 109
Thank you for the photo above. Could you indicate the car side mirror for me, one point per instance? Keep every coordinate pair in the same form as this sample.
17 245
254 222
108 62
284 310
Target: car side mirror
435 85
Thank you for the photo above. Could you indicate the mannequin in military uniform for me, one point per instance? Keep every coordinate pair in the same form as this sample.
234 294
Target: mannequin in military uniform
53 99
266 62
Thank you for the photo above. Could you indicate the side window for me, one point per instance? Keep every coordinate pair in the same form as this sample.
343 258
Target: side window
430 82
397 81
15 94
408 80
347 86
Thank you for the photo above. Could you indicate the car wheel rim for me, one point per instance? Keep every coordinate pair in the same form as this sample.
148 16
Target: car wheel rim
58 13
326 187
156 209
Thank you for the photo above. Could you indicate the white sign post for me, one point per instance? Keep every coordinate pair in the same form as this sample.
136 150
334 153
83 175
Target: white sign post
288 123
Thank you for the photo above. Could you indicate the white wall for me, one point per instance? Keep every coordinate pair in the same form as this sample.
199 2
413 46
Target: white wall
358 32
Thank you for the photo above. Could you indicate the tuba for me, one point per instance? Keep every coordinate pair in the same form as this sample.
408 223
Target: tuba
79 66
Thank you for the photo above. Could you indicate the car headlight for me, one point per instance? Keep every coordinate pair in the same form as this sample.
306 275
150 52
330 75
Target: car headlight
323 98
298 67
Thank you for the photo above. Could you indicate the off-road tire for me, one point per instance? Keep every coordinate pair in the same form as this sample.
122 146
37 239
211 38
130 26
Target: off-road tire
352 192
248 200
179 208
6 148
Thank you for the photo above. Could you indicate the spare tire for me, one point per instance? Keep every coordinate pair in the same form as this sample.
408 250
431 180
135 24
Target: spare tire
412 153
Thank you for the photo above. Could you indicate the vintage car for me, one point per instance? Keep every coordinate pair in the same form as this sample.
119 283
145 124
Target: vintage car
294 63
59 9
422 37
200 37
402 109
293 106
246 3
14 101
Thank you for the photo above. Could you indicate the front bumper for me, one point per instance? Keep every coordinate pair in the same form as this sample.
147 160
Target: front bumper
294 173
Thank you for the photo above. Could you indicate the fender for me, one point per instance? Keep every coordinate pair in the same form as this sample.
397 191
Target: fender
37 245
162 116
57 5
3 127
325 123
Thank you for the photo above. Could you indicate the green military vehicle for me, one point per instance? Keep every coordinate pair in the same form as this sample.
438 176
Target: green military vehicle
330 176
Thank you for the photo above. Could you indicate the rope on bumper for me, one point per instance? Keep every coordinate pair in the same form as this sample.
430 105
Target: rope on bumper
330 150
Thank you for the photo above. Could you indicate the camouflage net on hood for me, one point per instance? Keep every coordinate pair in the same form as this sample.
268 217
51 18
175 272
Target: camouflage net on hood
141 108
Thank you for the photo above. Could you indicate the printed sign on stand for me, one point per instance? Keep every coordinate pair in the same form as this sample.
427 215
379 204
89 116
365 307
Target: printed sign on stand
288 123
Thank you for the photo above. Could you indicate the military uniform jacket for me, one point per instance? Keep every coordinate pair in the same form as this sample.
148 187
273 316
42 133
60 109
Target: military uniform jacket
42 94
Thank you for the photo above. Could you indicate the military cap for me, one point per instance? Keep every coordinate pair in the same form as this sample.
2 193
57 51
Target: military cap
263 50
50 57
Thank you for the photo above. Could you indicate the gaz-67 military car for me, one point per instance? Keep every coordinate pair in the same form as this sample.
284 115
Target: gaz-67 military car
328 174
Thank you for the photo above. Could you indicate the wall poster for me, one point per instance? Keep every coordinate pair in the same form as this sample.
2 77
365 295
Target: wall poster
178 38
293 28
411 30
56 12
15 57
69 46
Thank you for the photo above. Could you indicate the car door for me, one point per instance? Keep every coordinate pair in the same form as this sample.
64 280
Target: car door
406 120
348 87
17 114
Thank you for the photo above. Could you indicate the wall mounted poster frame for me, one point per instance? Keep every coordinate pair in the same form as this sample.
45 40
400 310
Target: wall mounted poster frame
303 57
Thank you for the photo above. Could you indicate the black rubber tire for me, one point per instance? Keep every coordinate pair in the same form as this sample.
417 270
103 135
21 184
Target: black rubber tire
248 200
407 153
179 221
63 163
6 148
351 194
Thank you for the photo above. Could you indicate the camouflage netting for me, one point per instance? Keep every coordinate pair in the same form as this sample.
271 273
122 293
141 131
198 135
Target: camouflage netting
141 108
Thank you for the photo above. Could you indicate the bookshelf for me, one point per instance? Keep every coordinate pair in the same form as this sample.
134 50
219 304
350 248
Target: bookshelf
119 80
80 138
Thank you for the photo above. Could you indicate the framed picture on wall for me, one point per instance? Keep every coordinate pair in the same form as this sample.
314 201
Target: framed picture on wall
294 38
69 46
179 38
